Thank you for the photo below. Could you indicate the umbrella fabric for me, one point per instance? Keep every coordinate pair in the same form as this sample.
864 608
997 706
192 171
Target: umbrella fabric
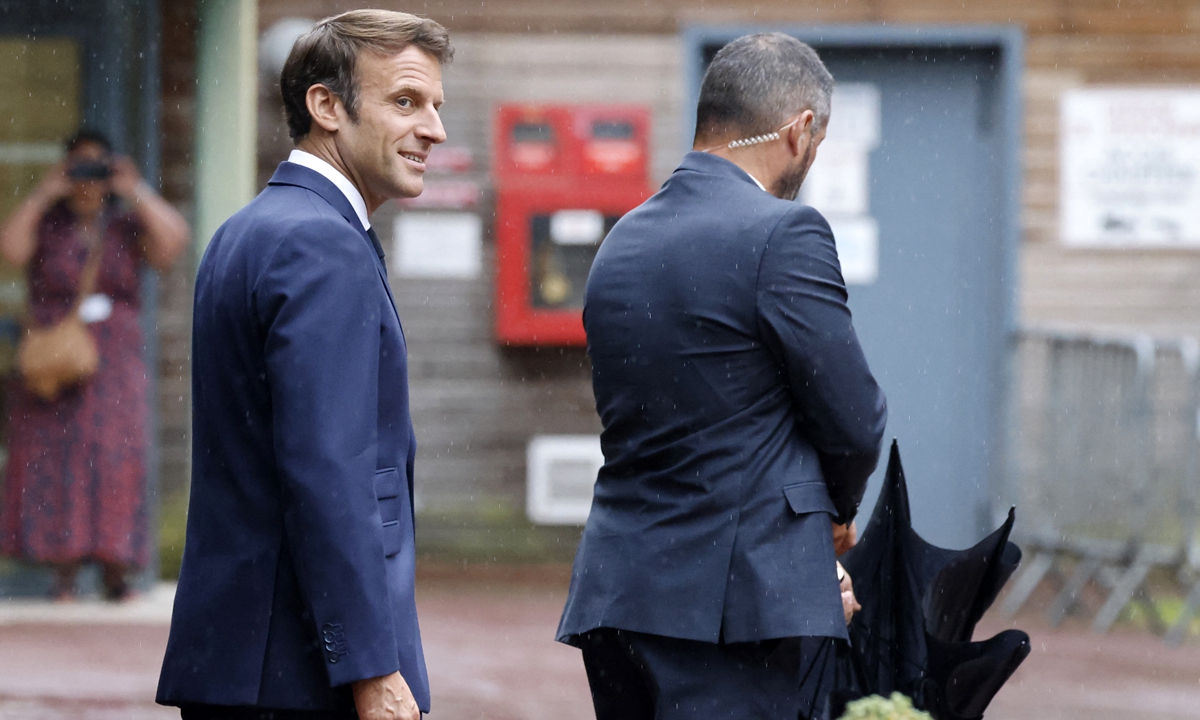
920 604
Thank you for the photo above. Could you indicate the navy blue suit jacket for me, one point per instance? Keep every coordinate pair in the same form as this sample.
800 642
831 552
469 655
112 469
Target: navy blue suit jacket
739 417
298 570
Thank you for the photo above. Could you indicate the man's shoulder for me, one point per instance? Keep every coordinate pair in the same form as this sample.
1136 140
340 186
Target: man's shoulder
286 233
288 210
800 219
725 194
285 215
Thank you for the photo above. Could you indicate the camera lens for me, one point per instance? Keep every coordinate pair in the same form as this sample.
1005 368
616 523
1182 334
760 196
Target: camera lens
90 170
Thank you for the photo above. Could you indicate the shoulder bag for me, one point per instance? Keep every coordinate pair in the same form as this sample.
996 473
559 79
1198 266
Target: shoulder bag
56 357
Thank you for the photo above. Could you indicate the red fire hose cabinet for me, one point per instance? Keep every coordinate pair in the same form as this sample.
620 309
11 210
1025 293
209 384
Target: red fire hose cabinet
564 175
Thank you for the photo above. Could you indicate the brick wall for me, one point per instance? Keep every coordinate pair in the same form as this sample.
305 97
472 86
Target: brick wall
175 295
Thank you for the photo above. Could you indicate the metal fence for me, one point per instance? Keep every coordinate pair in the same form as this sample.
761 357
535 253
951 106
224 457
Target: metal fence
1105 469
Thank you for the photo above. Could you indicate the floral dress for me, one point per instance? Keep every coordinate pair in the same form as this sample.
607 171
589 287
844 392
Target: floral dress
75 478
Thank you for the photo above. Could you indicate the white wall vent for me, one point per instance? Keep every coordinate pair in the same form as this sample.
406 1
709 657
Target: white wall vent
560 473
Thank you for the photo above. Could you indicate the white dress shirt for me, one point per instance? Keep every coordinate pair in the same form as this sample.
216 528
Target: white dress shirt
312 162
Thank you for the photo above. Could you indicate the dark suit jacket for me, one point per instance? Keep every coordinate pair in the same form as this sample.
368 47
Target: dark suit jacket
739 417
298 569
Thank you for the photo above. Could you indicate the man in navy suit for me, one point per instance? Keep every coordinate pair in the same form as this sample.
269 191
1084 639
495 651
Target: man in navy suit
296 596
740 418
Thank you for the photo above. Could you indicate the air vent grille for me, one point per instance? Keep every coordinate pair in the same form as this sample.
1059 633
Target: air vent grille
561 471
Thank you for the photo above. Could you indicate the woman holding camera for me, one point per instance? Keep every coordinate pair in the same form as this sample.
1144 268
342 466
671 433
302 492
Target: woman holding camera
74 482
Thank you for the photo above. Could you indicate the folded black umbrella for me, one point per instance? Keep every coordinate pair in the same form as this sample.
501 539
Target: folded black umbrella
920 604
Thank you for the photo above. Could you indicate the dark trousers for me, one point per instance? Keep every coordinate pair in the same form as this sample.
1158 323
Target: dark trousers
226 712
637 676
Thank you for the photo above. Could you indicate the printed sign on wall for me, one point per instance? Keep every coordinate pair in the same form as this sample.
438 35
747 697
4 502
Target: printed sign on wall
439 244
1130 167
839 181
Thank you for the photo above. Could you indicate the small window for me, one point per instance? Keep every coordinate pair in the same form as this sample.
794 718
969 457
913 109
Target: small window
562 247
612 130
533 133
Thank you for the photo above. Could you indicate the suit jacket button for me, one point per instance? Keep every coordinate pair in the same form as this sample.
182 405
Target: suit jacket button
333 658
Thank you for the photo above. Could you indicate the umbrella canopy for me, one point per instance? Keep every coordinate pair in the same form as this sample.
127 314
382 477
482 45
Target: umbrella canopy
920 604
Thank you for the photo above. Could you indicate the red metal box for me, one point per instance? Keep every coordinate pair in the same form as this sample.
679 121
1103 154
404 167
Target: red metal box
564 175
609 141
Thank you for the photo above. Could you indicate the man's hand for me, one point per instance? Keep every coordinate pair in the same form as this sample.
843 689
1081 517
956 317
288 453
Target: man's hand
849 602
385 698
844 537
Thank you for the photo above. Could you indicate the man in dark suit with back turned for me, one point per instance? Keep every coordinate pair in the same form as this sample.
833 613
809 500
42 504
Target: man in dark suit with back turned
296 597
740 419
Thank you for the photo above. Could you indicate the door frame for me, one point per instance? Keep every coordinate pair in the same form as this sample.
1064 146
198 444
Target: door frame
1008 42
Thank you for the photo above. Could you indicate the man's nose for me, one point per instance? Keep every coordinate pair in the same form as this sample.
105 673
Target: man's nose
432 130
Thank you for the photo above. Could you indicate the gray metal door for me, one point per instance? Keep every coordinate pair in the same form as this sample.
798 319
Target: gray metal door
935 318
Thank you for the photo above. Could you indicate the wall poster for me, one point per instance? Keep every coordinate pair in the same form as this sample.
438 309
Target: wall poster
1130 167
838 184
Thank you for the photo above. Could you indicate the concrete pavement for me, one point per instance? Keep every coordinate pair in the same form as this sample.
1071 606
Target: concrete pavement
488 637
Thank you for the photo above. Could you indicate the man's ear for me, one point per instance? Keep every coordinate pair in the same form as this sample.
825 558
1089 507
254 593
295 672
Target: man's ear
800 134
323 106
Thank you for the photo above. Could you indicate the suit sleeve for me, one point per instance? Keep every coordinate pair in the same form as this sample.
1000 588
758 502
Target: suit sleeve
319 303
806 324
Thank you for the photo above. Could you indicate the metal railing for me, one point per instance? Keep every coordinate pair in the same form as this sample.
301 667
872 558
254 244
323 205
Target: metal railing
1105 468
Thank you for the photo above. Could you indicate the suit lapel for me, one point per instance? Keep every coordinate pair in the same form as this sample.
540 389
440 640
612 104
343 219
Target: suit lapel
292 174
381 268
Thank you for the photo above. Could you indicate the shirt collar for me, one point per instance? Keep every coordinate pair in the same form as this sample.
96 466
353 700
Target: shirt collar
756 182
330 173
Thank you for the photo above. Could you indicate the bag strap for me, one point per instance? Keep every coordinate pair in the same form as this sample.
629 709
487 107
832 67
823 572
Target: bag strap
91 268
88 277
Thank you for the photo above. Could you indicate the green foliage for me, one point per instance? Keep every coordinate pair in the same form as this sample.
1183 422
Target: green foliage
1141 614
898 707
172 524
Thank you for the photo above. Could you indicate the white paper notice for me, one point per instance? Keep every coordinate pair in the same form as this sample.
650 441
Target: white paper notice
1130 167
858 248
577 227
839 182
839 185
855 115
445 245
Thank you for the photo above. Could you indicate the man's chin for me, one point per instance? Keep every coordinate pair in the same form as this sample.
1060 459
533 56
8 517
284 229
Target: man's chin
408 188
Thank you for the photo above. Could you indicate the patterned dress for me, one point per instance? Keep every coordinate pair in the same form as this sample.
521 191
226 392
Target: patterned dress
75 478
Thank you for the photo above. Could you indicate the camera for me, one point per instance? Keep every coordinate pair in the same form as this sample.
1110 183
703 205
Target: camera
90 170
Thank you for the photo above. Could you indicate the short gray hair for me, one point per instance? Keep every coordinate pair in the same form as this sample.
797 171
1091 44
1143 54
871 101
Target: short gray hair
757 82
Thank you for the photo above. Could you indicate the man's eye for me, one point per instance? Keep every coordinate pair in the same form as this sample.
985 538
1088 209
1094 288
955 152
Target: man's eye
405 102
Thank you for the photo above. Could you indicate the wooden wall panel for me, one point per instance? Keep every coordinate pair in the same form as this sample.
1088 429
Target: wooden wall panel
178 68
476 404
1082 17
1155 292
1043 89
494 68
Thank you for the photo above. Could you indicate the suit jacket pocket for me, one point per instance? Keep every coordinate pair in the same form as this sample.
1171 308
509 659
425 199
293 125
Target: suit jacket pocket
809 497
387 491
392 539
